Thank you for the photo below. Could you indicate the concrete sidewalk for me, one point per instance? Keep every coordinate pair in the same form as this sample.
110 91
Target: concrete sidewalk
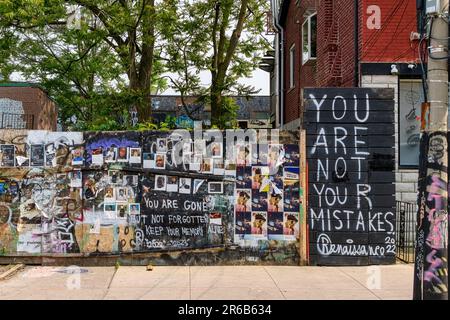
211 283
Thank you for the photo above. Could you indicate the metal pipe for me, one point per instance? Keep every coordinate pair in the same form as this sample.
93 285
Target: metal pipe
280 52
356 33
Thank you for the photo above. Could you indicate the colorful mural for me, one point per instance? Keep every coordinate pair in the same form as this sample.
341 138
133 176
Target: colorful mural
103 193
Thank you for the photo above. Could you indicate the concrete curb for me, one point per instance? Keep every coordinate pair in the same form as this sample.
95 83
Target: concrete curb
11 271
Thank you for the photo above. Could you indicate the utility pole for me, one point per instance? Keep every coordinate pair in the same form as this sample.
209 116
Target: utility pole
431 265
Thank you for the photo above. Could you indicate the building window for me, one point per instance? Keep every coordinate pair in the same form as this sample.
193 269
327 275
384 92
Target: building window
309 36
291 66
410 101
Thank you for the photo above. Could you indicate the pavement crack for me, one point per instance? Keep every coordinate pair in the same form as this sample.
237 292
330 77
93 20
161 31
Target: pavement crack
276 284
361 284
110 282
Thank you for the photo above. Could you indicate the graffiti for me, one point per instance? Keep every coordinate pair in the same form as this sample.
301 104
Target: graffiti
109 193
436 270
436 149
431 265
351 163
10 107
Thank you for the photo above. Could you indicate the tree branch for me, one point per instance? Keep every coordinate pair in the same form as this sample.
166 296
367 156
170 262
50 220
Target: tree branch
234 40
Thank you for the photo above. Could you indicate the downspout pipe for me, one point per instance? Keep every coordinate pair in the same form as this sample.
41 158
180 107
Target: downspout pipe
280 82
356 33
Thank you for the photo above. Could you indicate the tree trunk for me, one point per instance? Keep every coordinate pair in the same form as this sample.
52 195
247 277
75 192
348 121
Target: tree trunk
142 82
216 106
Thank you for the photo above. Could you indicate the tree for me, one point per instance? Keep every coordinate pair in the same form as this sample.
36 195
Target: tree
221 36
100 66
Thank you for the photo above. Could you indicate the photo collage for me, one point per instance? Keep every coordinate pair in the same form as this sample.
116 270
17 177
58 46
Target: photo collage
114 195
267 194
197 157
112 154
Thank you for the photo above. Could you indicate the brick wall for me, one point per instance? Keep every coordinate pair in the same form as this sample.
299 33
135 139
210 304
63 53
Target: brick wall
391 43
36 102
304 75
336 43
335 65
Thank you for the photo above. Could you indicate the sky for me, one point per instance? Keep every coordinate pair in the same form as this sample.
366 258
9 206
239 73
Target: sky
260 80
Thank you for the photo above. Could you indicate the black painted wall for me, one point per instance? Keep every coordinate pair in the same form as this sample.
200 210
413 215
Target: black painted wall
351 163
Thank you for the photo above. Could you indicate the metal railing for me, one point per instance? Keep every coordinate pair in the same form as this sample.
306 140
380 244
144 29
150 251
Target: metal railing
405 237
16 121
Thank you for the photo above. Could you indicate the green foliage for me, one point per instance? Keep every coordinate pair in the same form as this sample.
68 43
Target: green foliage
90 66
166 125
107 63
169 123
205 35
146 126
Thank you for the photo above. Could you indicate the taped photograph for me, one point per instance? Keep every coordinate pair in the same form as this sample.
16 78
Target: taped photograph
230 168
110 194
198 183
172 184
7 155
110 209
78 156
291 226
161 145
122 210
275 202
135 155
185 185
258 175
207 165
134 208
244 177
196 164
292 155
97 156
243 155
148 161
215 187
259 201
130 180
217 150
122 194
243 223
259 224
218 167
37 158
122 154
160 161
160 183
115 177
76 179
275 226
243 200
111 154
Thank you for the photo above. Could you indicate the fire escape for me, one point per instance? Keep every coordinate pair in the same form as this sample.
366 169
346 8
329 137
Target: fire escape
332 50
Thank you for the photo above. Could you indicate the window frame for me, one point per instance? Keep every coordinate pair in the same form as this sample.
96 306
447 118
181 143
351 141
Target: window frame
308 21
292 66
404 79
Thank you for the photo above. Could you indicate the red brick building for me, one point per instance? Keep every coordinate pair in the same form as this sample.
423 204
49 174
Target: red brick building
352 43
345 39
26 106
